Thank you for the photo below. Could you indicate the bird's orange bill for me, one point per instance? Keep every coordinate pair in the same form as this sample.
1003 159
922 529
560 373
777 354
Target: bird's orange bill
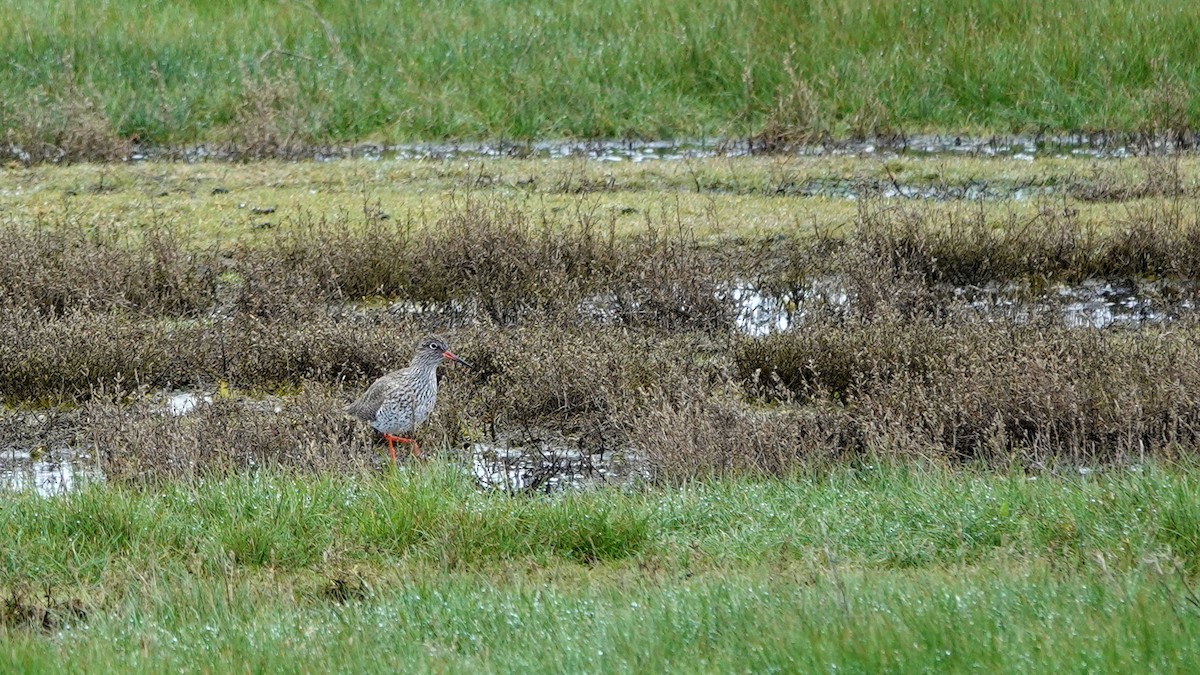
452 357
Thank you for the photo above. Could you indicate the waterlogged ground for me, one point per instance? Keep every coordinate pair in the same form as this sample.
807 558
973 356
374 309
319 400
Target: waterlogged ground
1024 148
1094 303
709 192
538 465
520 465
705 204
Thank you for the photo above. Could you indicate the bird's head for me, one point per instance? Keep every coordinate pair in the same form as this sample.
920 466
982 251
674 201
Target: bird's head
430 351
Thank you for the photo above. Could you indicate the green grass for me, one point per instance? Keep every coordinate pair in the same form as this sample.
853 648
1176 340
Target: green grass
893 568
1018 620
182 72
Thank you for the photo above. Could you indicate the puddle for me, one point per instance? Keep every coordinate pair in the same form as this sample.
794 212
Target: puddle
546 468
50 473
1095 303
37 452
184 402
758 313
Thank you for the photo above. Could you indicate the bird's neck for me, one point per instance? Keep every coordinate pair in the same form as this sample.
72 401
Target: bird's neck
424 367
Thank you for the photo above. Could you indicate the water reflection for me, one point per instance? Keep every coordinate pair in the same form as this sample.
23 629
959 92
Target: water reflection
544 467
1095 303
1019 147
48 473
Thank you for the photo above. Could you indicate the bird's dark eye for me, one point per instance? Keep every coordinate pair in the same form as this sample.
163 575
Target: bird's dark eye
433 346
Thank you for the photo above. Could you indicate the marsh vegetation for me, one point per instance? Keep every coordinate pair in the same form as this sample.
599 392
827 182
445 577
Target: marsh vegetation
948 329
808 336
898 408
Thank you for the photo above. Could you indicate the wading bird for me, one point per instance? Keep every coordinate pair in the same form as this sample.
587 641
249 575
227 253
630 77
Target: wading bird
398 402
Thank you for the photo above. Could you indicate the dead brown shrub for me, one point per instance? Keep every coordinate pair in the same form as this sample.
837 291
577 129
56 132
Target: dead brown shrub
66 266
578 380
978 389
696 433
66 358
142 442
62 359
270 121
833 358
893 245
60 121
491 260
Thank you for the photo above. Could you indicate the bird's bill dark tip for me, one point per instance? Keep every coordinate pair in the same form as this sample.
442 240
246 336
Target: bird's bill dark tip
452 357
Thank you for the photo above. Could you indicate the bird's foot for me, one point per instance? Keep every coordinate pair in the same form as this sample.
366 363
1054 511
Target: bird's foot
392 440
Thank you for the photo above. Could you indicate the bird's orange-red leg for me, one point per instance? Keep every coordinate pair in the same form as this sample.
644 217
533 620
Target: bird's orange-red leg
416 449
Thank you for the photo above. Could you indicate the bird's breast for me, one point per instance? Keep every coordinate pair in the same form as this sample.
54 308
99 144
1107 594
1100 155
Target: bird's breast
407 406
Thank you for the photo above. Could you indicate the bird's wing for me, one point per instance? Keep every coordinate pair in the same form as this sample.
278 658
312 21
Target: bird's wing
368 404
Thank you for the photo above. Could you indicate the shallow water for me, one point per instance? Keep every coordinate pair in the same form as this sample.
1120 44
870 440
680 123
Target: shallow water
1095 303
49 473
1019 147
183 402
547 468
759 313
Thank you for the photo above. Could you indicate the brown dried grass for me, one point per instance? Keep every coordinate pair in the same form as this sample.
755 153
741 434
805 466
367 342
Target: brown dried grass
607 341
141 442
60 121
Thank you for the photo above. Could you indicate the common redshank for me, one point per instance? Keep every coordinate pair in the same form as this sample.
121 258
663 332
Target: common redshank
398 402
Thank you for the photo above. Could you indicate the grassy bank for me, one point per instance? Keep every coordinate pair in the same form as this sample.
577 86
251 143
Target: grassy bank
269 79
878 567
